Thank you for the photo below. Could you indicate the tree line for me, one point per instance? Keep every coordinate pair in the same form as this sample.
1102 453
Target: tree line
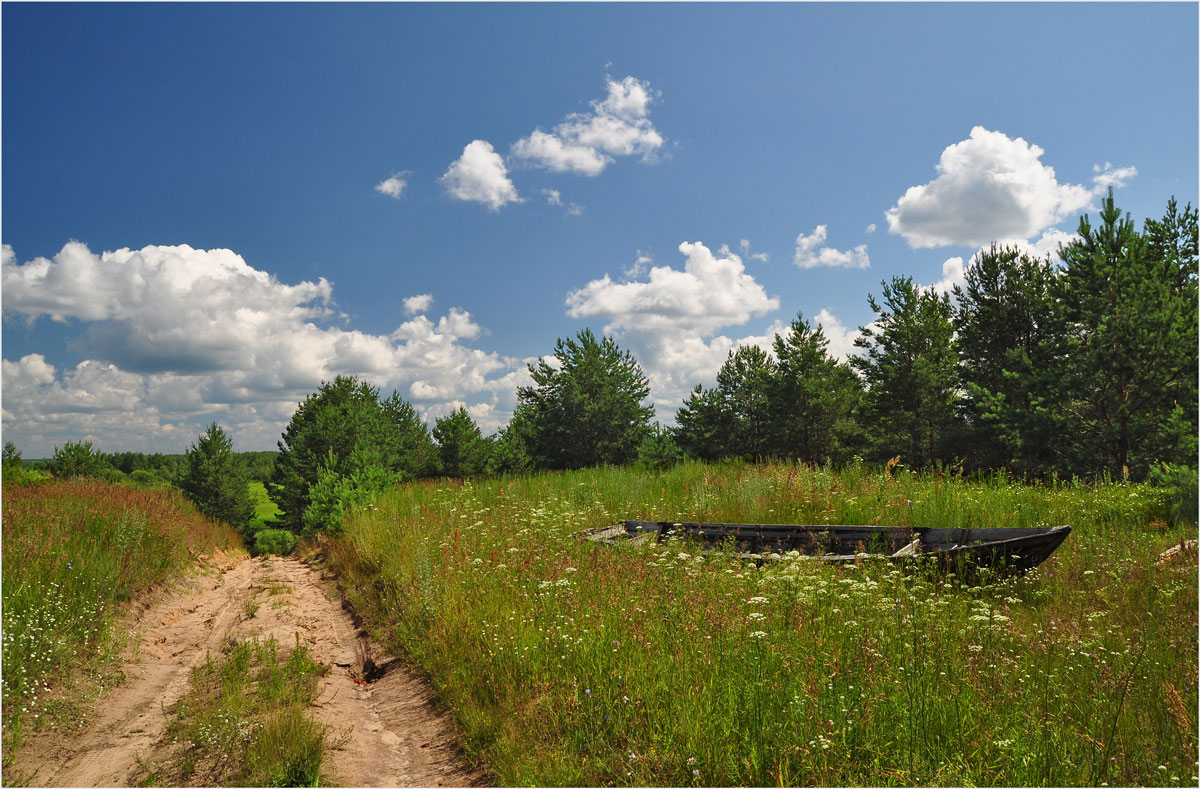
1086 367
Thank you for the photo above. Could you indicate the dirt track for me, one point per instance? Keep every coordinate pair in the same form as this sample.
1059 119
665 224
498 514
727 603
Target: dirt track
388 731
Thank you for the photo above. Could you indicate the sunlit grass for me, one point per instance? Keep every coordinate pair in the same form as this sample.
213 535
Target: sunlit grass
569 662
73 553
245 721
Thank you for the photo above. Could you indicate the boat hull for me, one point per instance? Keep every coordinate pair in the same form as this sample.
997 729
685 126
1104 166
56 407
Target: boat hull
1008 550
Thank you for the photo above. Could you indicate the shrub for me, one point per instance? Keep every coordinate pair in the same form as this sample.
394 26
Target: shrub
1179 483
277 541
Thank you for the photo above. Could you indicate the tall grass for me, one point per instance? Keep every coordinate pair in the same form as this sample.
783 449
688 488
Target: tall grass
573 663
74 551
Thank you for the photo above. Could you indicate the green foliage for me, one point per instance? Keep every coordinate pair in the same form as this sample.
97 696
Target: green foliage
813 398
214 478
585 410
278 541
1131 305
1181 484
336 438
336 494
462 449
14 471
1012 347
164 467
259 465
799 405
510 448
910 370
78 459
658 449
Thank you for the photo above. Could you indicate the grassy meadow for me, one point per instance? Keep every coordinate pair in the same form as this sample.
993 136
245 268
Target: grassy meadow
74 552
572 663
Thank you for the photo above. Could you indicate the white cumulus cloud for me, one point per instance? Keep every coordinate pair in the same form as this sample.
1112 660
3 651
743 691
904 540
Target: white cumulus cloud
479 175
989 187
415 305
812 252
180 336
711 291
394 185
672 319
585 143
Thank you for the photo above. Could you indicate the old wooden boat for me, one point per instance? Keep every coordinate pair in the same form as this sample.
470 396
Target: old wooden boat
1011 550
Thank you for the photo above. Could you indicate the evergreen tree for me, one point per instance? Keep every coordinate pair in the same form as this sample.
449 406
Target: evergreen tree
510 449
215 479
705 425
1012 346
1130 302
462 449
78 459
733 419
745 383
812 397
587 409
910 373
343 430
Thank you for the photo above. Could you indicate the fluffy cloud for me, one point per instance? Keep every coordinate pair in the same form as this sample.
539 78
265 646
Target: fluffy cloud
954 273
762 257
394 185
179 336
671 318
712 291
585 143
841 339
989 187
554 197
812 252
1109 175
479 175
415 305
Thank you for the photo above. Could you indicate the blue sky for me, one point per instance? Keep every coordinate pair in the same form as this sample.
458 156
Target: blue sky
207 209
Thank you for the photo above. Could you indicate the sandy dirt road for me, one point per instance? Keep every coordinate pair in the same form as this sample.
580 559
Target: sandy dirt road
388 732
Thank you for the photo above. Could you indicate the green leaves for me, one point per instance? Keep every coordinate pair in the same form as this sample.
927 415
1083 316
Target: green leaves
462 449
215 479
344 443
586 410
910 371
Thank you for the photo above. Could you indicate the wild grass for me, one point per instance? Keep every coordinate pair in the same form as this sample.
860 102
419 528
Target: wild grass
74 552
245 722
572 663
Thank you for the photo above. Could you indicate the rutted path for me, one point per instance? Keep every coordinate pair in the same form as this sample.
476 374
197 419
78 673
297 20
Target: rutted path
388 731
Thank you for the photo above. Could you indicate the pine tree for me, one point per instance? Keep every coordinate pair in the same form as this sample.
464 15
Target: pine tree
586 410
910 373
215 479
812 397
1012 346
1130 302
462 449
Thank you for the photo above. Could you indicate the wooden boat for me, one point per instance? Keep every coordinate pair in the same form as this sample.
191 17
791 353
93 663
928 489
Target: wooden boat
1011 550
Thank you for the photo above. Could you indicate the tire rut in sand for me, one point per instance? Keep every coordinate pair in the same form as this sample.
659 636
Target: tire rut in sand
387 732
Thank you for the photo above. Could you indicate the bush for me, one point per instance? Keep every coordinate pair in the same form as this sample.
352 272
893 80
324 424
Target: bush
336 495
78 459
1179 484
658 449
277 541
